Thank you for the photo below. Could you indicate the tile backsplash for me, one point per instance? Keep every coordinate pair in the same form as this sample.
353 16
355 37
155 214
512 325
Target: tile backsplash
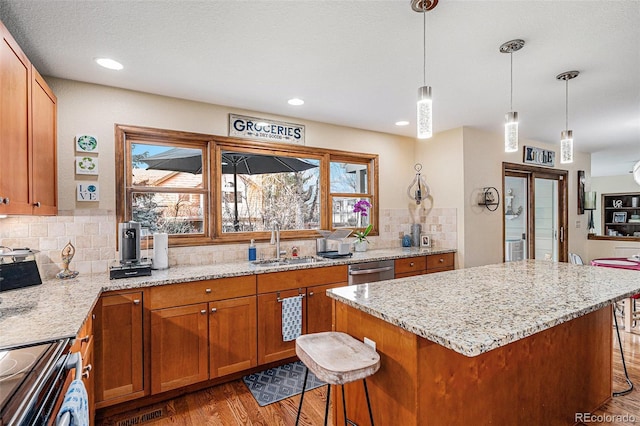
93 233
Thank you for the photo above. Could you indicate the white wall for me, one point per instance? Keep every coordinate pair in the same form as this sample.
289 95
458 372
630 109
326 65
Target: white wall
94 109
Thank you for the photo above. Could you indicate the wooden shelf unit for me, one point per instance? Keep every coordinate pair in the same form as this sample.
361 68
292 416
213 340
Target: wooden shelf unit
615 205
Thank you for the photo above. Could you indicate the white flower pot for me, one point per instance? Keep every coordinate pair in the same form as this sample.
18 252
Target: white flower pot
360 245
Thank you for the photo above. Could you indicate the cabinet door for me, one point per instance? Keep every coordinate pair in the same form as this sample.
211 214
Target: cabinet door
319 313
271 347
15 78
44 196
179 347
118 348
440 262
233 336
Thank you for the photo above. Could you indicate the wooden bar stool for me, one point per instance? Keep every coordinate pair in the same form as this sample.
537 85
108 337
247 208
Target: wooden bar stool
336 358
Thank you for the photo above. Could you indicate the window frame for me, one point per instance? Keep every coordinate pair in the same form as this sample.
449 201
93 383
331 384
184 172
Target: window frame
212 189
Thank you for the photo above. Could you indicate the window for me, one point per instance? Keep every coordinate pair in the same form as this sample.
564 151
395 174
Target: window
203 189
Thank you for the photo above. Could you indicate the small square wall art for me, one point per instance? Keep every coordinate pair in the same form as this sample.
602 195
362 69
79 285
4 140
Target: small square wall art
86 165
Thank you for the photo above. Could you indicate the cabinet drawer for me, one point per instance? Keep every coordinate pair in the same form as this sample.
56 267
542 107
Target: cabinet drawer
440 261
301 278
201 291
410 264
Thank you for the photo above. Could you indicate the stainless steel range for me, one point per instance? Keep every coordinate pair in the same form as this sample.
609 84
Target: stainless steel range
31 379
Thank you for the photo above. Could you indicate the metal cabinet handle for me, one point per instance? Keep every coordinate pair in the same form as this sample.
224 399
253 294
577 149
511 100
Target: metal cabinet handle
310 293
441 260
411 264
1 200
86 370
208 290
6 201
204 311
93 316
136 301
85 339
36 204
214 310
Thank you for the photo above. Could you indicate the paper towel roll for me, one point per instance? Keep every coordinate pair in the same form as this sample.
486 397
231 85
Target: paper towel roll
160 251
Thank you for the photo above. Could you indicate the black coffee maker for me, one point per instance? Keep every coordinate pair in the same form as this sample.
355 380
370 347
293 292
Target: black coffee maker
131 263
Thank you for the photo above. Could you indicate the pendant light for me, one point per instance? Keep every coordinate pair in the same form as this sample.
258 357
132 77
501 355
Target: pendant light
636 172
566 136
424 105
511 118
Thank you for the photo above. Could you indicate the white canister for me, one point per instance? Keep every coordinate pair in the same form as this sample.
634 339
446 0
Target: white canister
344 248
634 201
160 251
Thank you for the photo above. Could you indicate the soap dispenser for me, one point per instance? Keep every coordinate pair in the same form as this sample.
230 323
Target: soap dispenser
252 250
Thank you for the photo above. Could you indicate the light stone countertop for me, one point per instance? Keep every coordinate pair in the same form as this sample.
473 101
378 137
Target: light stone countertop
57 309
475 310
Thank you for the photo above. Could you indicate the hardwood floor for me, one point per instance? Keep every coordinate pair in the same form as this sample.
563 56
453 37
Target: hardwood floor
232 404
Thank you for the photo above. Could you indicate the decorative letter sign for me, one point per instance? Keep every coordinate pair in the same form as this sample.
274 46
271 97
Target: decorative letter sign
88 191
539 156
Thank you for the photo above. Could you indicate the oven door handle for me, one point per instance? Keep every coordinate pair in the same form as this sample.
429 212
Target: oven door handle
370 271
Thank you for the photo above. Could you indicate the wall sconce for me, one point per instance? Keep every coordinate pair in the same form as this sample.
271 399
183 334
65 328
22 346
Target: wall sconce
590 204
490 198
421 191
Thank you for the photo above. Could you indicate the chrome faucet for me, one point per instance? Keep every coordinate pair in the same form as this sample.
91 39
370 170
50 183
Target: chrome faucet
275 239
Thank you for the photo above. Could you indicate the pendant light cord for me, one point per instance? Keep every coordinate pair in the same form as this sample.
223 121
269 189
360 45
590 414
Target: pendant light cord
424 40
511 101
566 112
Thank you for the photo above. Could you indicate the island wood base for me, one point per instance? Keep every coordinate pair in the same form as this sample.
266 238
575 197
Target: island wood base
543 379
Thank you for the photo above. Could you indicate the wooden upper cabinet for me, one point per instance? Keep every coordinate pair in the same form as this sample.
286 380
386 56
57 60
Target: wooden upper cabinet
15 97
28 183
44 194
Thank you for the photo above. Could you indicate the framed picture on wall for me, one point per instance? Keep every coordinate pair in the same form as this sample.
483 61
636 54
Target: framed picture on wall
425 241
619 217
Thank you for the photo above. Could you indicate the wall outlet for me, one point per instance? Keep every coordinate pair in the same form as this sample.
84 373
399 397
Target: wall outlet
370 342
400 234
577 224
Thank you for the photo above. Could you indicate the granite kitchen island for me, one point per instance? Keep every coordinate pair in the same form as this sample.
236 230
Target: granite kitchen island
525 342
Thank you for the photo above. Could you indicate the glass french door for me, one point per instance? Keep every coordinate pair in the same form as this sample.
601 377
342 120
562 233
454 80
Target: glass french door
535 213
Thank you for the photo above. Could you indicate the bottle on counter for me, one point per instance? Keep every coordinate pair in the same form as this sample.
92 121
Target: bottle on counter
252 250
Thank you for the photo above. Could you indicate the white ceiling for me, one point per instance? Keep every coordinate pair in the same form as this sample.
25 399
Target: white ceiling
359 63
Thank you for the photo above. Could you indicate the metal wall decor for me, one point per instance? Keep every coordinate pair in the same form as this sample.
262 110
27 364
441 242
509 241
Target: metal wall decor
421 190
490 198
581 180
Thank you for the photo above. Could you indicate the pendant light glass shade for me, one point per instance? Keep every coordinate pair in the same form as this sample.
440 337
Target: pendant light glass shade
566 146
636 172
511 132
566 136
425 113
511 118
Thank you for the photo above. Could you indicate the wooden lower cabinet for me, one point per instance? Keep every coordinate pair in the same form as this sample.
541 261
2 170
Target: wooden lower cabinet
319 307
179 347
419 265
88 378
119 348
233 336
271 347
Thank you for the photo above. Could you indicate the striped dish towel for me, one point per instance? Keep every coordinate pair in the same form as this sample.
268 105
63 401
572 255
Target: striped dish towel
291 318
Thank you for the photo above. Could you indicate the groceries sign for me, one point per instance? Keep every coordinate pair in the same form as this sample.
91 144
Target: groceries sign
241 126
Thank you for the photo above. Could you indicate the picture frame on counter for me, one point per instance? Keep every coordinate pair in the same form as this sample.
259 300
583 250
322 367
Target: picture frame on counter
425 240
619 217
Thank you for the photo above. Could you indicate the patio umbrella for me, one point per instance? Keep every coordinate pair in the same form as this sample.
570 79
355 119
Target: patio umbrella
233 163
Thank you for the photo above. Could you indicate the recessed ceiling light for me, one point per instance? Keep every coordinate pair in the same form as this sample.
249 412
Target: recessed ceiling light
295 101
402 123
109 63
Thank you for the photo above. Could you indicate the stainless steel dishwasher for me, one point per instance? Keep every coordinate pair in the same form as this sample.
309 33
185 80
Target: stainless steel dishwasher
368 272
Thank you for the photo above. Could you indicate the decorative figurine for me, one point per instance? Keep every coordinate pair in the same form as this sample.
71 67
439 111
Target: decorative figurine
67 254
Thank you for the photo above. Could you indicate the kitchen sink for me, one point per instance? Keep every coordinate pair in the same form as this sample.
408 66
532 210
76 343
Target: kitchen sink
287 261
